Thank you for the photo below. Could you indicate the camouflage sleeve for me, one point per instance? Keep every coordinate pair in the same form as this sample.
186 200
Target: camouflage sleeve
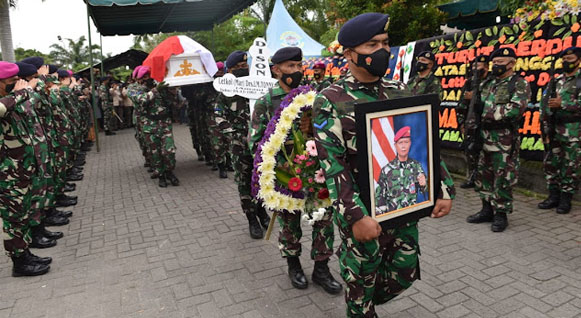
545 114
7 104
220 114
258 123
102 93
519 100
436 88
333 158
462 107
447 190
570 102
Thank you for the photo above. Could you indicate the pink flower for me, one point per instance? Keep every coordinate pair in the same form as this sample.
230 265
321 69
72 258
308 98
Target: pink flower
320 176
310 163
311 148
311 190
302 157
298 170
310 180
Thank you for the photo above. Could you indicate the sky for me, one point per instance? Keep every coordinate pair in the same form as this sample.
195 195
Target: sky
37 25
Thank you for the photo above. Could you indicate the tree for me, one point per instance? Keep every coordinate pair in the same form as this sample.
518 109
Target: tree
6 30
74 55
21 54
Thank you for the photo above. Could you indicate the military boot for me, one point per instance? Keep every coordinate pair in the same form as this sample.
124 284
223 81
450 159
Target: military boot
38 240
23 266
172 178
263 216
485 215
296 274
54 212
500 222
254 227
223 173
469 183
565 203
322 276
162 181
214 167
69 187
551 202
49 234
37 259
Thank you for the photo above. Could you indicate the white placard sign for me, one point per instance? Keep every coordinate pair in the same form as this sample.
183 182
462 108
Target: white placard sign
186 69
257 83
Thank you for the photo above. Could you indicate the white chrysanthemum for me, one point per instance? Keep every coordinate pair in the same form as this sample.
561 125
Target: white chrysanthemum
311 98
268 166
272 202
277 140
300 100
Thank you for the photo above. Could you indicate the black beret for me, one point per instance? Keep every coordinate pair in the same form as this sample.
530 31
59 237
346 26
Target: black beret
37 61
290 53
52 68
235 58
572 50
362 28
482 59
25 69
429 55
63 74
503 52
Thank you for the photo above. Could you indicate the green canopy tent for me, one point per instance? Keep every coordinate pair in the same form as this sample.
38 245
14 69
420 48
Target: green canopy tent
124 17
473 14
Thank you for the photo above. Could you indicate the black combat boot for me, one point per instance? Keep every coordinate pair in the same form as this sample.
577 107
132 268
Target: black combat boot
37 259
296 274
59 213
500 222
552 201
65 201
66 197
68 184
172 178
69 187
22 266
75 177
565 203
322 276
215 167
162 181
146 164
149 169
469 183
222 172
49 234
39 240
262 216
485 215
253 226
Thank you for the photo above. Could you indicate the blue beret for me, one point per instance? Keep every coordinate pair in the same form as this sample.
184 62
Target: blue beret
429 55
290 53
235 58
362 28
63 74
503 52
52 68
25 69
37 61
572 50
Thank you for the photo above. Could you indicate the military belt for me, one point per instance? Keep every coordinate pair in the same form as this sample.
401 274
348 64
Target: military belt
496 126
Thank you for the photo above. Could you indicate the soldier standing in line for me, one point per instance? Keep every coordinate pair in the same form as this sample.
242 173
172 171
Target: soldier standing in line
233 117
505 99
134 90
425 82
561 123
288 70
320 82
220 141
462 113
401 179
376 265
106 105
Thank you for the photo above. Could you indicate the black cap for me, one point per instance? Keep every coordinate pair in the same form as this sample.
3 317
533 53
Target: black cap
482 58
290 53
63 74
52 68
37 61
429 55
25 69
503 52
362 28
572 50
235 58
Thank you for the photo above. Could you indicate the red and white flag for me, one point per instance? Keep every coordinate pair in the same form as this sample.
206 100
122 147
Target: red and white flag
382 144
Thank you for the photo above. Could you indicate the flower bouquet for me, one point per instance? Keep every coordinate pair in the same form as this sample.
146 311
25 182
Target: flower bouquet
287 177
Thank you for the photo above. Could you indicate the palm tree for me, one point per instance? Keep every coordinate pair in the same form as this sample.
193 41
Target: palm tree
6 30
74 55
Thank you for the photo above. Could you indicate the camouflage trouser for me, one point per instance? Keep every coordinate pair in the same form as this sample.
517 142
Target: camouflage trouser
497 175
204 133
243 165
378 271
160 143
221 144
290 235
563 161
108 117
140 136
15 211
471 159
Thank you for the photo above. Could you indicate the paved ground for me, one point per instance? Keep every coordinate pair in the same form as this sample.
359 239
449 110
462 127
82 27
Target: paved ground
135 250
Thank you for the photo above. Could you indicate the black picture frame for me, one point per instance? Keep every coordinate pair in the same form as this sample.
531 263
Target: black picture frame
368 111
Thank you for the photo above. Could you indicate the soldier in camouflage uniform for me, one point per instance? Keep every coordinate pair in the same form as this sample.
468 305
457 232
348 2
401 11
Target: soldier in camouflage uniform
288 65
505 99
320 82
220 142
133 90
425 82
232 117
401 179
462 112
106 105
561 119
19 164
377 265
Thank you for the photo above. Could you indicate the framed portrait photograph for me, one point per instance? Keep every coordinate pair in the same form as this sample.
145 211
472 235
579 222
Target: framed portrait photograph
398 158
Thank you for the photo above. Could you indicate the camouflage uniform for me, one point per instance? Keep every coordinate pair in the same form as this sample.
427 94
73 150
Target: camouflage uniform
221 136
107 106
398 185
563 161
133 91
290 223
499 160
319 86
381 269
426 85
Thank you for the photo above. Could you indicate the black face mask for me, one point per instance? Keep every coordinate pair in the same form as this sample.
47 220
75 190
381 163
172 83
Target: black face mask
481 72
375 63
317 76
150 83
569 67
292 80
240 72
9 87
498 70
421 66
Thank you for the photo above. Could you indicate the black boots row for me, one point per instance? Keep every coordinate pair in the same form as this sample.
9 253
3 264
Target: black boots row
28 264
559 200
257 221
499 220
168 176
321 276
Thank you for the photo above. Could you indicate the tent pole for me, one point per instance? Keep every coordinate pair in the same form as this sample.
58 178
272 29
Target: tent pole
93 96
102 62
